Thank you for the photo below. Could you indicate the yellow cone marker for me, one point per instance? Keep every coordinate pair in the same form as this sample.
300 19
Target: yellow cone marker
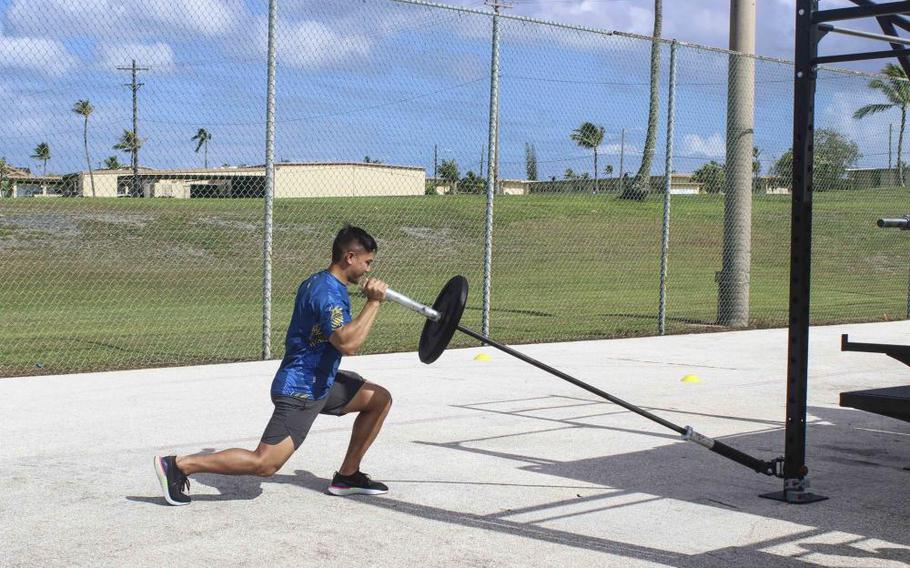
690 379
481 357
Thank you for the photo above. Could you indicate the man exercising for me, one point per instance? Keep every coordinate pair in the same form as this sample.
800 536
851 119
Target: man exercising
308 381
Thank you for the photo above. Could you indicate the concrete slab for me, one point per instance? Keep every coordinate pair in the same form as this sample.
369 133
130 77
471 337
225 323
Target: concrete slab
490 463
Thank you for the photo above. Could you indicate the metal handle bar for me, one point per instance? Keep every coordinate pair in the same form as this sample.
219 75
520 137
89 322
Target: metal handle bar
399 298
900 222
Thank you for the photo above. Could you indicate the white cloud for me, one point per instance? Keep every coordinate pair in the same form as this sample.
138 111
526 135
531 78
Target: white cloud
105 19
712 146
156 56
303 44
704 22
40 55
309 44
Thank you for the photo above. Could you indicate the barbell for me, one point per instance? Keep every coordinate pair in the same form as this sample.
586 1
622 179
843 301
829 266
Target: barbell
444 318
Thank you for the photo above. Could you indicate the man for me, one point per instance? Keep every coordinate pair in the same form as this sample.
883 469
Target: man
308 381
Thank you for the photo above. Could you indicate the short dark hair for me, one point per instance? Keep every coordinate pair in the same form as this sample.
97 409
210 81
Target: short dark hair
348 238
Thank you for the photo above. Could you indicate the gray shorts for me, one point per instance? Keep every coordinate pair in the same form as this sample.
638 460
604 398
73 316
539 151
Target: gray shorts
294 416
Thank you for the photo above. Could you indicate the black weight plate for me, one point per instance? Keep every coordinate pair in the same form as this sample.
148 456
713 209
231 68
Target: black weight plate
437 334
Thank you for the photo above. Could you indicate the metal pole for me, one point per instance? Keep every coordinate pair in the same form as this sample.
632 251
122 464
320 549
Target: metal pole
908 296
622 156
269 188
135 134
688 434
804 82
733 281
668 184
492 171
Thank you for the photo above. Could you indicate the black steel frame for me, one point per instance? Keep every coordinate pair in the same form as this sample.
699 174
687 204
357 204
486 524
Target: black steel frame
809 31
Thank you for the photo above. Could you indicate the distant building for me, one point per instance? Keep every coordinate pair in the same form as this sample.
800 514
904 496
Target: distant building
861 178
680 184
292 180
20 182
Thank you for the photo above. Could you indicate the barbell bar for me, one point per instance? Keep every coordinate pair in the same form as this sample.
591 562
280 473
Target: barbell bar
399 298
445 316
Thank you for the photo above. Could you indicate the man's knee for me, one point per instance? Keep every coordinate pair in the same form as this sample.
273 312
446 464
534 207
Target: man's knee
382 398
265 468
269 459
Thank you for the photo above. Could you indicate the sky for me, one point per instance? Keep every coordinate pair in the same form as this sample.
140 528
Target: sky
398 82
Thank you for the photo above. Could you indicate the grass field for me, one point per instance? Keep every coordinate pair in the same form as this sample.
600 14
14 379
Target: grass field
106 284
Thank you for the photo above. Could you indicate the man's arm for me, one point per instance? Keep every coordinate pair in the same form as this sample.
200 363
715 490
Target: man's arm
349 338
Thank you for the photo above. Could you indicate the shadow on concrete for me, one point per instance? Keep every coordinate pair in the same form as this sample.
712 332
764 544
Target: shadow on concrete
859 468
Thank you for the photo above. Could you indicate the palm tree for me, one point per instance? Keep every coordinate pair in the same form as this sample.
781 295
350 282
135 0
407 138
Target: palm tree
42 152
4 167
642 180
131 143
84 108
203 138
896 89
128 142
112 163
590 136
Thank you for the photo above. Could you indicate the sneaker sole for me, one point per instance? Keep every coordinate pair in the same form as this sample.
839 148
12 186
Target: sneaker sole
343 491
162 479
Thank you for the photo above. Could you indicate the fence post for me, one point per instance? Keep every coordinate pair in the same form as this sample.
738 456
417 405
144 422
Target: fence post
269 188
668 171
492 171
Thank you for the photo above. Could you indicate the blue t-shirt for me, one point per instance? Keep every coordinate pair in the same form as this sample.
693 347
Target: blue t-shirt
310 362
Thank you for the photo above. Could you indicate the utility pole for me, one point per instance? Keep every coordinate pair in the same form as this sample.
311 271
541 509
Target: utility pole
435 164
492 163
134 86
733 279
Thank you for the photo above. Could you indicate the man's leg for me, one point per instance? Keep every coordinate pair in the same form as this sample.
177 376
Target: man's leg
290 422
372 403
264 461
172 471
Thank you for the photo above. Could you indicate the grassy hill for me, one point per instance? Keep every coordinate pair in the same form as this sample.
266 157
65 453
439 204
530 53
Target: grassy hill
105 284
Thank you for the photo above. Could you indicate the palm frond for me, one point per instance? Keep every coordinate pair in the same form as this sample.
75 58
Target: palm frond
872 109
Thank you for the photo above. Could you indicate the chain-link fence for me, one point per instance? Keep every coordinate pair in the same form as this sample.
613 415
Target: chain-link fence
133 177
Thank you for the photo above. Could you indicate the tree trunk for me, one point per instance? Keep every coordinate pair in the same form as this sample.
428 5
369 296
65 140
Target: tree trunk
88 161
900 146
642 182
206 154
595 171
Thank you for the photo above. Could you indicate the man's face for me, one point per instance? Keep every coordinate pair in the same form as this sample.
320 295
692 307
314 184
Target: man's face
358 264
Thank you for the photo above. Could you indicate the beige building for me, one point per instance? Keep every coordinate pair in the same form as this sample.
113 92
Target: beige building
20 182
506 187
291 180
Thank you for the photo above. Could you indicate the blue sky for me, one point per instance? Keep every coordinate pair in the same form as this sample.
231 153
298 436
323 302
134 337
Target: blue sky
389 80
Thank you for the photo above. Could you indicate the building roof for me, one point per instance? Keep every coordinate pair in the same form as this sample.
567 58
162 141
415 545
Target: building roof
227 170
364 164
12 172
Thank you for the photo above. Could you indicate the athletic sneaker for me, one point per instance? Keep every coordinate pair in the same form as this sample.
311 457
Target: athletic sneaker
172 480
356 484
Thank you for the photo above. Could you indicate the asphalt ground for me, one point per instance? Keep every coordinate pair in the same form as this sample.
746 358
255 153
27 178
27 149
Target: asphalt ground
490 463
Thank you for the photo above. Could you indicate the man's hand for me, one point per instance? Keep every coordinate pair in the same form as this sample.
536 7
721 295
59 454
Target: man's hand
374 289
